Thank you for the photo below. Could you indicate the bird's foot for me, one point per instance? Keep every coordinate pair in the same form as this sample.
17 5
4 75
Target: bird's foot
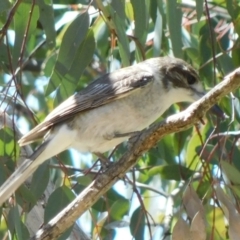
105 162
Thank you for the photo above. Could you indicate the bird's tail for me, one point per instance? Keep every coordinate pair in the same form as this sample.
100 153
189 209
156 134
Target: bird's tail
16 179
21 174
59 140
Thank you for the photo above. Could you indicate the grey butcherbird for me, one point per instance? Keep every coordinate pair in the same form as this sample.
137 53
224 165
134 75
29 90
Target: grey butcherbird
100 116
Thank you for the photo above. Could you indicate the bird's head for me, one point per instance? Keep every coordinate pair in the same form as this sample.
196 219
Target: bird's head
179 79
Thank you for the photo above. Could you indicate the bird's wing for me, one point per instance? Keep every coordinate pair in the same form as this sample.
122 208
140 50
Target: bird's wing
105 89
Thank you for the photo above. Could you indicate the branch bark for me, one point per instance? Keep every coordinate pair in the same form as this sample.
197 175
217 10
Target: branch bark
138 145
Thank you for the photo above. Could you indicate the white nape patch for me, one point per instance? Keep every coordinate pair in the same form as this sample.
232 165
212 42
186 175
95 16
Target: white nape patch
185 68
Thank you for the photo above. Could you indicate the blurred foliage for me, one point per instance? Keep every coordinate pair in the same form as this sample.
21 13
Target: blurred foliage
51 49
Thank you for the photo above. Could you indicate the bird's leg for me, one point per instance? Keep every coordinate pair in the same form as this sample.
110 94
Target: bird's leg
104 160
101 157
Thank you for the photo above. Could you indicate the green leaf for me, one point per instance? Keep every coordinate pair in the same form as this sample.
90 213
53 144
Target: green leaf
199 8
137 224
119 209
69 51
231 172
226 63
232 8
101 34
114 195
141 19
180 142
140 9
101 205
47 20
82 59
11 220
4 5
166 150
119 7
15 225
234 152
205 53
158 29
57 201
21 21
123 42
189 40
84 180
3 171
174 19
50 63
73 37
8 146
192 156
129 11
236 55
172 172
205 153
20 228
192 53
4 61
109 199
25 198
40 180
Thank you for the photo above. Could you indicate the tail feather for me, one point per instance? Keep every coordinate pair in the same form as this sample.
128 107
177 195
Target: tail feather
22 173
59 140
31 137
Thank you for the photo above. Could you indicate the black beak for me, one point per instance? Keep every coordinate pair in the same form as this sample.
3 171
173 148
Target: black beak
218 112
215 110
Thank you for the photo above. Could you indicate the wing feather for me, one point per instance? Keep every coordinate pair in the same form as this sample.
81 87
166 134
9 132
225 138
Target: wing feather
105 89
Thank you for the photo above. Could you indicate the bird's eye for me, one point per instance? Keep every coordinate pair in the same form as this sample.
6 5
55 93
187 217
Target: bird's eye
191 79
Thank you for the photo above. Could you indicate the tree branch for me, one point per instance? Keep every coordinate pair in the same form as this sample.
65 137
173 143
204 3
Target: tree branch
139 145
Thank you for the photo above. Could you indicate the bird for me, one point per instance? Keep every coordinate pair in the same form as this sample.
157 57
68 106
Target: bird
108 111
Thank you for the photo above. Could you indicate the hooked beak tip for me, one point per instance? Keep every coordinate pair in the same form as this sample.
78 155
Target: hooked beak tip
215 110
218 112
